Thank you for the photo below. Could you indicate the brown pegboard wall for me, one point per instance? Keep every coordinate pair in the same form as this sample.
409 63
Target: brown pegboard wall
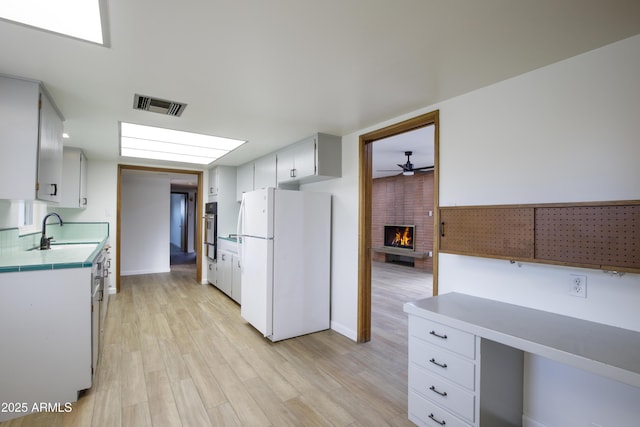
500 232
607 236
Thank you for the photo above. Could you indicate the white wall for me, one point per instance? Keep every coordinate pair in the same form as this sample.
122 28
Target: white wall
563 133
145 215
8 214
344 239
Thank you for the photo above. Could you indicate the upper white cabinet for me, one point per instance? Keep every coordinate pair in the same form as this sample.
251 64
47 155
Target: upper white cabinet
244 180
213 181
225 195
31 140
265 172
260 173
313 159
74 179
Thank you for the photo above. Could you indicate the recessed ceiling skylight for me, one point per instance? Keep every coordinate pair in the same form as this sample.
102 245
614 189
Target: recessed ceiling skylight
154 143
75 18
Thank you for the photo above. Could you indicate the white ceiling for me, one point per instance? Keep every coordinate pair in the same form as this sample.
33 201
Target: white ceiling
388 153
273 72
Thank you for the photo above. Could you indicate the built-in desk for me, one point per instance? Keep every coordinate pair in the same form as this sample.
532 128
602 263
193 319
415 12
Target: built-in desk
466 356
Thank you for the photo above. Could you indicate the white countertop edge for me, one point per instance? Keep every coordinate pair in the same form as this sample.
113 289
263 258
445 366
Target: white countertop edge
599 367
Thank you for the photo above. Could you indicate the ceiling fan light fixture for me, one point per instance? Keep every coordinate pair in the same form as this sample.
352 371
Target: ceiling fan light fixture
407 173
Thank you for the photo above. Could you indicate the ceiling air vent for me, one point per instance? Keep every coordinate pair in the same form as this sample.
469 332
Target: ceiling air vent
162 106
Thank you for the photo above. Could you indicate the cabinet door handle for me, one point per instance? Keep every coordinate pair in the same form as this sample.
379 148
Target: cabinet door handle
435 362
435 390
435 334
433 417
292 173
442 229
84 201
55 190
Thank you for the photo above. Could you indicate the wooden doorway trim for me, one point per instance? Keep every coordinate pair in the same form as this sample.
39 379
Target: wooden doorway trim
364 216
198 216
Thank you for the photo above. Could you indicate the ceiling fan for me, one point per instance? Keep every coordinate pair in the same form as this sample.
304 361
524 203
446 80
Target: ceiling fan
408 169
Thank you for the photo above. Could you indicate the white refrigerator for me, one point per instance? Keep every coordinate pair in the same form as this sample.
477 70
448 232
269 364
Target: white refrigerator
285 261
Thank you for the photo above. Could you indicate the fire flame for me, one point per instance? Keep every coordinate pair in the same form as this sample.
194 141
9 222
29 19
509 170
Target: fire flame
402 239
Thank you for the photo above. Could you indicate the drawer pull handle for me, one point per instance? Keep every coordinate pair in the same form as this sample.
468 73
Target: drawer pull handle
435 362
435 390
433 417
435 334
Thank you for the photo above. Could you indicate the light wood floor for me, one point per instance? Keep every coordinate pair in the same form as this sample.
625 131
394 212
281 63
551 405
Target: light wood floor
178 354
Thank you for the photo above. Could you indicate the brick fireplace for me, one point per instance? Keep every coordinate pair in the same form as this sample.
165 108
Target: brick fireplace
403 201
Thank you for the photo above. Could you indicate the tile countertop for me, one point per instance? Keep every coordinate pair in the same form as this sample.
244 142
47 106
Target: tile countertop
76 254
229 244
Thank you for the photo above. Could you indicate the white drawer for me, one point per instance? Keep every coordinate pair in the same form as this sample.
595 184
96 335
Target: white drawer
446 394
426 413
442 362
458 341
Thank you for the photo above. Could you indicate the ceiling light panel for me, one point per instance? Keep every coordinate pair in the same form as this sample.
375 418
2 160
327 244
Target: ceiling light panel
75 18
166 144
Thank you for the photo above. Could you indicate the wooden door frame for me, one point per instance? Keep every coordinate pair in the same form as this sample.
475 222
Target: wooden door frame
364 215
198 216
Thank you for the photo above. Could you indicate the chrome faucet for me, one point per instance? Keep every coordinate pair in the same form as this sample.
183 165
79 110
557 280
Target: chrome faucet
45 242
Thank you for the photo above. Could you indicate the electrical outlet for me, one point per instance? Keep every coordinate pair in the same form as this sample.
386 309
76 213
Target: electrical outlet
578 287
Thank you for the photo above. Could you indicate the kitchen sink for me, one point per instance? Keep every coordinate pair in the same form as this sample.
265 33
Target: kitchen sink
57 247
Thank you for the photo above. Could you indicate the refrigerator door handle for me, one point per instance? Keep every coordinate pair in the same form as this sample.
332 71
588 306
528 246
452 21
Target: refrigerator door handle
239 226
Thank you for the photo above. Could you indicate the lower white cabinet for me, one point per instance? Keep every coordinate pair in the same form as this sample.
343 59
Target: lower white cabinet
228 274
442 374
235 278
223 275
211 271
46 327
457 378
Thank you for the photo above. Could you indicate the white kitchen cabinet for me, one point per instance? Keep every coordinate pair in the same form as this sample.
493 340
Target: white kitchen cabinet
46 336
31 139
213 181
260 173
236 288
211 271
74 179
225 196
265 174
224 272
244 180
313 159
228 269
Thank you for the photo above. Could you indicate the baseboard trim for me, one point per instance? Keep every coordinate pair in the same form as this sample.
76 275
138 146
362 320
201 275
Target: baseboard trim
530 422
342 330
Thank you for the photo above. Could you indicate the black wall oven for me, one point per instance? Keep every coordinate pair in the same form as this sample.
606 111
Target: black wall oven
211 229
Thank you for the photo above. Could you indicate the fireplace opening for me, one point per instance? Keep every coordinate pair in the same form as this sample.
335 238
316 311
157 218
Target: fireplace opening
399 236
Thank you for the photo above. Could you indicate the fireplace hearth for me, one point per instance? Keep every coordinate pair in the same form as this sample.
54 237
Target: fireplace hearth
399 236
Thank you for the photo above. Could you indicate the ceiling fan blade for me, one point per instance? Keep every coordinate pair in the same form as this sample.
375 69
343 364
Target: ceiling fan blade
423 168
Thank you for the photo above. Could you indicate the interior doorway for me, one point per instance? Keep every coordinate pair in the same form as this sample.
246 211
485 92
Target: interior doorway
182 252
365 245
196 221
178 221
